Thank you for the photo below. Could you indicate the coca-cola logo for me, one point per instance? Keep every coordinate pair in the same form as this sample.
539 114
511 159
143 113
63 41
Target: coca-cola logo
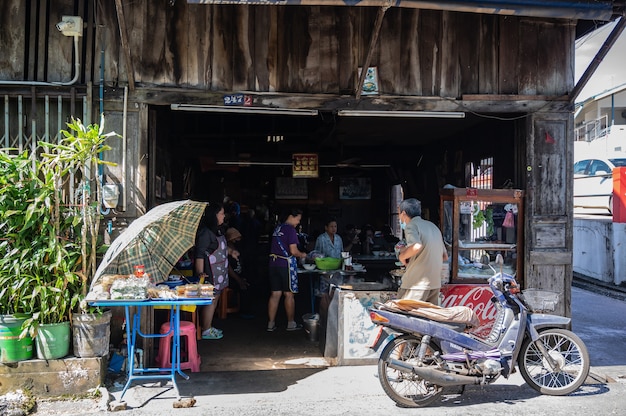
475 297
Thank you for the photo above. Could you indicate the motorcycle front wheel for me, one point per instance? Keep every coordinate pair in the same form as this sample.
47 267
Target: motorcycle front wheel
568 352
403 387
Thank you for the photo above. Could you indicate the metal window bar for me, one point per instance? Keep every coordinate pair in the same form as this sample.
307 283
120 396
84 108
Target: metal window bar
42 123
483 180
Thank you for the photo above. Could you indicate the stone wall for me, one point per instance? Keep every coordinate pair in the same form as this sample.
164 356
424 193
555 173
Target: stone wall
53 378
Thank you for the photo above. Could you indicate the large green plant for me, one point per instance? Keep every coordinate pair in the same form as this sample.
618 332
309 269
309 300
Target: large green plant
78 157
36 257
48 245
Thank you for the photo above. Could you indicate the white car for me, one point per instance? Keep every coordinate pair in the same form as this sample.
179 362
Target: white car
593 183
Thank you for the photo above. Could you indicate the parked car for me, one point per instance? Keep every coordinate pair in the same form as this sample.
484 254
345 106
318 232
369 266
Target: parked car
593 182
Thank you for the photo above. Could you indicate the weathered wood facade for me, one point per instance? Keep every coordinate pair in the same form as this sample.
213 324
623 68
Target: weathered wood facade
305 57
304 49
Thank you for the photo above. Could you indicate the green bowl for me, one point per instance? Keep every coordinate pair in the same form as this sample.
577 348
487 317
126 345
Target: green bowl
327 263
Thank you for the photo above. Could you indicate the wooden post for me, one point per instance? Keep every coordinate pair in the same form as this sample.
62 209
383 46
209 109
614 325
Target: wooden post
125 46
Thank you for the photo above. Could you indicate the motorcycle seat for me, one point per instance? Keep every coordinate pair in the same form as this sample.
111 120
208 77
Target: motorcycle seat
454 314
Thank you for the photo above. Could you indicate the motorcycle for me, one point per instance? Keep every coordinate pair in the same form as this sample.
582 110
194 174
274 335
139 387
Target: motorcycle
424 355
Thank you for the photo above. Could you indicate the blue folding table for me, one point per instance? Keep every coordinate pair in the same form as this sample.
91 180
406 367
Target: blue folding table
133 330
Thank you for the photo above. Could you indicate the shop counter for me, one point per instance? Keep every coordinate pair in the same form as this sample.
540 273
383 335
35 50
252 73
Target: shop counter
316 276
347 331
377 266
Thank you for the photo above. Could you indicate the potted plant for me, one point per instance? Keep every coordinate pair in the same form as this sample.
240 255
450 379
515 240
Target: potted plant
49 246
35 261
19 187
79 154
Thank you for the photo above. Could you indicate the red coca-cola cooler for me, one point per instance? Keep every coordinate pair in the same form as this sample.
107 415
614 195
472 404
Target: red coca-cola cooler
474 296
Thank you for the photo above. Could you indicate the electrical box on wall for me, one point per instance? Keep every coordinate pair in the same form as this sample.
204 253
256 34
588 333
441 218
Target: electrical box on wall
70 26
110 195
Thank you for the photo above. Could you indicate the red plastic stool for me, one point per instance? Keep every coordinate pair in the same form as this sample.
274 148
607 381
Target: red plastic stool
189 357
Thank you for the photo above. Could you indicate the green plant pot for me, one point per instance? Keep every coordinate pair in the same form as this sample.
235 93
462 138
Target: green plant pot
53 340
91 333
12 348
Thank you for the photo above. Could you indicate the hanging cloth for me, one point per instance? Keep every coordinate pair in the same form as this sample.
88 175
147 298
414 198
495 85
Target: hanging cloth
508 222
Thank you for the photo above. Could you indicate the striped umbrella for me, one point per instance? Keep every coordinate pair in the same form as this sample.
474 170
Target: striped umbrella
157 239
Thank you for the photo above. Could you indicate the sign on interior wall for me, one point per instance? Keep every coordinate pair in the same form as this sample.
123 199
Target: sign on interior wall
305 165
291 188
355 188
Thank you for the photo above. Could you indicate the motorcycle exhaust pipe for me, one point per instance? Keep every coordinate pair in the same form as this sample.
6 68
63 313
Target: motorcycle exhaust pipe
434 376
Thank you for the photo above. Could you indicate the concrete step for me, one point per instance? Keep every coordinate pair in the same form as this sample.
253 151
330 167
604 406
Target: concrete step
49 378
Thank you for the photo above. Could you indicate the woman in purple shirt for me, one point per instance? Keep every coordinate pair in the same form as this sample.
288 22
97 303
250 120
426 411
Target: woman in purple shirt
283 274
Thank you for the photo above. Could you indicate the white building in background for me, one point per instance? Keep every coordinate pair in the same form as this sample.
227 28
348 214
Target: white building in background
600 118
599 249
601 125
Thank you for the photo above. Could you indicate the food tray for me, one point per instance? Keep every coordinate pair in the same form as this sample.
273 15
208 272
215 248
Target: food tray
540 300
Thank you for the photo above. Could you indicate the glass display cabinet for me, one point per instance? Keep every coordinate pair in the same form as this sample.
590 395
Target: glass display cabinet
479 224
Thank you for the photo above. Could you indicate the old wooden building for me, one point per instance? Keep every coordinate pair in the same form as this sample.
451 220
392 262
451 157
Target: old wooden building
214 98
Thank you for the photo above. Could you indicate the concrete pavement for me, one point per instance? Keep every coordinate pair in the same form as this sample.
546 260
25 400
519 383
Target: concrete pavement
354 390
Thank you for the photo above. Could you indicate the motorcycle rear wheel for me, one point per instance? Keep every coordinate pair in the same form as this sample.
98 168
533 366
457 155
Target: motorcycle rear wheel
568 350
405 388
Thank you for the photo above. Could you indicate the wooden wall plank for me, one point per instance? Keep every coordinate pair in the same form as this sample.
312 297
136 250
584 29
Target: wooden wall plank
508 34
261 61
362 37
450 71
107 40
550 257
13 63
89 67
328 52
556 75
430 51
468 52
221 61
391 72
242 54
272 56
488 55
346 17
409 55
528 61
54 50
199 45
313 67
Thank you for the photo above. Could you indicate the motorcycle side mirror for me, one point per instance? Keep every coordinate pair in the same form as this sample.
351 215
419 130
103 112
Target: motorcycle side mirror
499 259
